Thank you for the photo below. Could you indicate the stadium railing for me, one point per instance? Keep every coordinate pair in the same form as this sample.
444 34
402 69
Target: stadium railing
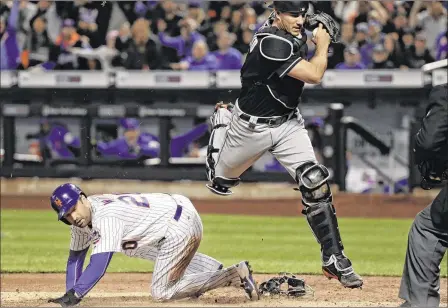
174 83
178 80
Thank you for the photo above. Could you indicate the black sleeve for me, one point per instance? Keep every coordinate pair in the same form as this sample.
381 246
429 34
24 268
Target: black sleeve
154 55
300 52
54 53
432 137
103 21
288 65
129 60
428 57
127 8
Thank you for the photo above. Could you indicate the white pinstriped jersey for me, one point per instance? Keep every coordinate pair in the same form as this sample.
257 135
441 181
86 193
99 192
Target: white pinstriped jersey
143 220
123 222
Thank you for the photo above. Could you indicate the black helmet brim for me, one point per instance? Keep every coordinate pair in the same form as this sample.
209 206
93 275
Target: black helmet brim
290 6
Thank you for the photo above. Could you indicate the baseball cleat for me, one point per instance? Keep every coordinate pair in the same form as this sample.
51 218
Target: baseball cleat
247 281
342 270
219 190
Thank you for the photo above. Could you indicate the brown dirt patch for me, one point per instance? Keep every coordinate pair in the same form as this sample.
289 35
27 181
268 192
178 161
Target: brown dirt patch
132 290
347 205
272 199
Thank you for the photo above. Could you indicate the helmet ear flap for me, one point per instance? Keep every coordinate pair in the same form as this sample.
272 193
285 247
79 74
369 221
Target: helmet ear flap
56 209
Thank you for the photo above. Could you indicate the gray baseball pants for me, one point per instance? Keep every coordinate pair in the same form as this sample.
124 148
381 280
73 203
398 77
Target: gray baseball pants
244 145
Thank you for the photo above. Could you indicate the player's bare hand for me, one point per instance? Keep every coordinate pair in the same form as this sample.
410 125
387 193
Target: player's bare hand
321 37
161 25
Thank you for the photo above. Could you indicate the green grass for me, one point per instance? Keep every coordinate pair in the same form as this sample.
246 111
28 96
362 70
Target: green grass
33 241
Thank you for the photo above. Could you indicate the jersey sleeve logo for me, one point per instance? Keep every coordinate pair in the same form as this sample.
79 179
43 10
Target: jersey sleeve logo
95 236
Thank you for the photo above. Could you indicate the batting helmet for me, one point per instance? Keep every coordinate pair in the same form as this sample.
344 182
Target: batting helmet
64 198
300 7
129 123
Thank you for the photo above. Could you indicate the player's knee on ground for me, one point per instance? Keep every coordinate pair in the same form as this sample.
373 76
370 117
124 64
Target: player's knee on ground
219 121
312 179
161 294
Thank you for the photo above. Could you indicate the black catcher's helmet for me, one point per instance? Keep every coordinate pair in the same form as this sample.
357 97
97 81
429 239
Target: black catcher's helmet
295 7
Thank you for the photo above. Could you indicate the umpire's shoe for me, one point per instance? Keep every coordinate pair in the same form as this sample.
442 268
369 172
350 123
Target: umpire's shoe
342 270
247 281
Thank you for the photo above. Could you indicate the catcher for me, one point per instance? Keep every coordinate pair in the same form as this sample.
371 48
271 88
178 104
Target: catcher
266 117
428 237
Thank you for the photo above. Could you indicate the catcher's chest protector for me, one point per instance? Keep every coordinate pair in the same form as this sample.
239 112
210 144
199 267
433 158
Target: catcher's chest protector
272 54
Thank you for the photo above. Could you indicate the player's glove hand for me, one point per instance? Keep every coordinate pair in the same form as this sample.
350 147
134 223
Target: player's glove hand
69 299
332 27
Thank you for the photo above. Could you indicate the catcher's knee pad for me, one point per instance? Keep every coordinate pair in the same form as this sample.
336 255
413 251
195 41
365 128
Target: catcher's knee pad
219 121
313 183
323 222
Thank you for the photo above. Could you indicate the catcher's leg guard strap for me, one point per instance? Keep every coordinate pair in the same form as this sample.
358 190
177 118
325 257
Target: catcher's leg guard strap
219 184
323 222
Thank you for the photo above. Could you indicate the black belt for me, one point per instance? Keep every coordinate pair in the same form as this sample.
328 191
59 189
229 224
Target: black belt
178 212
269 121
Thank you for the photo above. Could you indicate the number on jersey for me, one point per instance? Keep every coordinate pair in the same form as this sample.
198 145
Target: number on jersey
143 202
130 199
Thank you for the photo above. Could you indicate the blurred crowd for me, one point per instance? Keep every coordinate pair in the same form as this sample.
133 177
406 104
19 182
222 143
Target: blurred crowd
207 35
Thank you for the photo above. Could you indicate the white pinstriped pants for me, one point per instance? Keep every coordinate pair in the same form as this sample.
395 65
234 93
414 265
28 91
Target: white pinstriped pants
179 270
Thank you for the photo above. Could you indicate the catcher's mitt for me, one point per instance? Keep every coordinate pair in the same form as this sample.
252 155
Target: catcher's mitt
313 21
295 287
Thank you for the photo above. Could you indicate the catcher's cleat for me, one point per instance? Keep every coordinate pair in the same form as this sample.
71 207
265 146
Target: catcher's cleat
219 190
342 270
247 281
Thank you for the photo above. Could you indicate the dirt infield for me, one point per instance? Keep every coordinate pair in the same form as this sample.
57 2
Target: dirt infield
249 198
253 199
132 290
347 205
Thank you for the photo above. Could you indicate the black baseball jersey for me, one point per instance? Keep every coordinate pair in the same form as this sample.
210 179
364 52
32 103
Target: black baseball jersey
267 90
432 142
432 138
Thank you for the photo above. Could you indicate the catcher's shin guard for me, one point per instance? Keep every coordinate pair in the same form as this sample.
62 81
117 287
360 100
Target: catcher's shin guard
320 213
321 216
323 222
218 184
